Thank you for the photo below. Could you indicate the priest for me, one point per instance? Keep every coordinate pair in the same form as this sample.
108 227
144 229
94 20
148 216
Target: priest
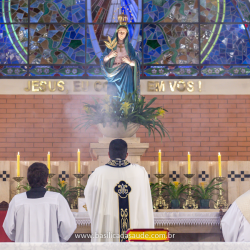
39 215
236 222
118 197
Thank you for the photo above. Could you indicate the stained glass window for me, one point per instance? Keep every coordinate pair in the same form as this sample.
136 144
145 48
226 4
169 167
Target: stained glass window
173 38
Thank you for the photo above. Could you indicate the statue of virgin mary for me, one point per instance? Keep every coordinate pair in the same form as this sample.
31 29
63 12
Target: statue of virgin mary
120 65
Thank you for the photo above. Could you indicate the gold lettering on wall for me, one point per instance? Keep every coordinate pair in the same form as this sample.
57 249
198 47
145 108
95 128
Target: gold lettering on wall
28 88
181 86
190 86
98 86
52 86
199 86
41 86
172 86
160 86
80 86
156 86
35 86
151 86
101 86
60 86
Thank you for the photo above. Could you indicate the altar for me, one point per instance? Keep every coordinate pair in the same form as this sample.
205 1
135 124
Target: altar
184 225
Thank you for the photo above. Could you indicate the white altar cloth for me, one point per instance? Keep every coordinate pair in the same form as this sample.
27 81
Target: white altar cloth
196 217
127 246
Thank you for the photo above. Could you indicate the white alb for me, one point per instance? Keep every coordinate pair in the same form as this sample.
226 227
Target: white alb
46 219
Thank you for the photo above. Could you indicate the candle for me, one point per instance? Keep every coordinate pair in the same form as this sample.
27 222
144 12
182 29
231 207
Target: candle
189 163
79 161
159 162
18 165
219 163
48 161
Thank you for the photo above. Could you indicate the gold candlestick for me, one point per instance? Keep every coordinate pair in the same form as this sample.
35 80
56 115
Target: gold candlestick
18 180
160 203
220 202
49 180
79 177
190 202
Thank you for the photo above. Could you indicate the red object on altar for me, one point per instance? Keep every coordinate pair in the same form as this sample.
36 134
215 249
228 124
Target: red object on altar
3 212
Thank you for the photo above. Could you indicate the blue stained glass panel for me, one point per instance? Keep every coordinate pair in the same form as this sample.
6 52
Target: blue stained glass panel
212 11
169 11
224 44
100 11
57 44
171 44
243 7
57 11
14 11
13 43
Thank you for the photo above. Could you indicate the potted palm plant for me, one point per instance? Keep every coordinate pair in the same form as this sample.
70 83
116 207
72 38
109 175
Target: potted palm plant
68 193
121 118
205 194
175 190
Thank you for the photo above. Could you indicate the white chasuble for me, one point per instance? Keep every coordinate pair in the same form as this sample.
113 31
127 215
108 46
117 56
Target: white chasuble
118 197
46 219
236 222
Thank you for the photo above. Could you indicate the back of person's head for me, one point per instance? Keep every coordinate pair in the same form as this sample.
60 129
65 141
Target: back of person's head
118 149
37 175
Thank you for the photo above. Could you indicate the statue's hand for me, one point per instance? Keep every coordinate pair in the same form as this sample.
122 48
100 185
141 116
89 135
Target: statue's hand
112 54
128 61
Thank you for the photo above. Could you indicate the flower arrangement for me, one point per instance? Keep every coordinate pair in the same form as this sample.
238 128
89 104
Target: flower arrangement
175 190
131 109
205 193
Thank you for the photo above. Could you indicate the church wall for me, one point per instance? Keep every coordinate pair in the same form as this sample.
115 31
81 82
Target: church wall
201 124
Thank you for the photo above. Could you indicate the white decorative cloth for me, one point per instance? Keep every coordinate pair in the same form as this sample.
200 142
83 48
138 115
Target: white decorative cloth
168 218
186 218
82 219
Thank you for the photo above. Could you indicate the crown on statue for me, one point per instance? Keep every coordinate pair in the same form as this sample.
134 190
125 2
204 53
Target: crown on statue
123 19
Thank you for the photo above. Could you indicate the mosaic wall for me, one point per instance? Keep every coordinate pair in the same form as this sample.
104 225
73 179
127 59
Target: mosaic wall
173 38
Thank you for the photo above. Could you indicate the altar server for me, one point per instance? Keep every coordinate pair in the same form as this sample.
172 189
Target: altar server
118 196
39 215
236 222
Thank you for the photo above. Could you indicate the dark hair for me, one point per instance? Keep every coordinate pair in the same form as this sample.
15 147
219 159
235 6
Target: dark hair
118 149
37 175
